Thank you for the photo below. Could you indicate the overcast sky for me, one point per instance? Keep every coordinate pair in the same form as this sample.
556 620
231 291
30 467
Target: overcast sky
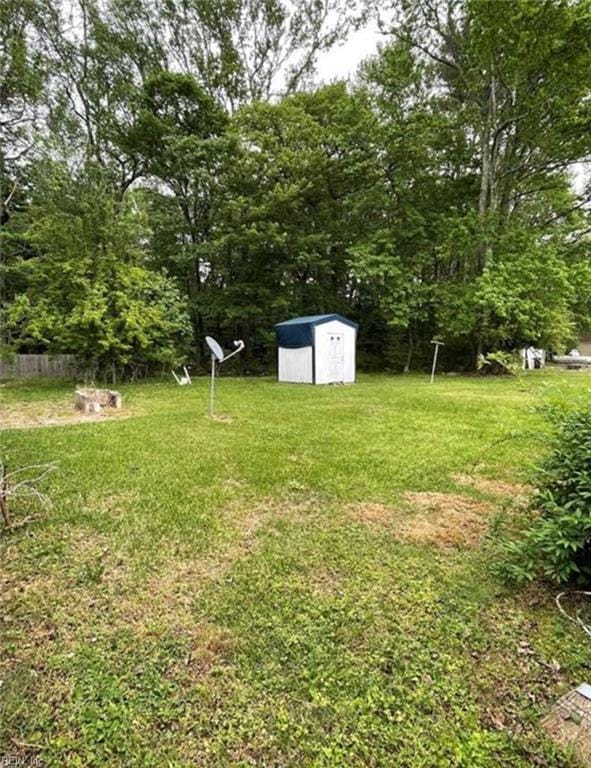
342 61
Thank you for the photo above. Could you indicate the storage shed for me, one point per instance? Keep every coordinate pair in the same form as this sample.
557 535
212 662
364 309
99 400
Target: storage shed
319 349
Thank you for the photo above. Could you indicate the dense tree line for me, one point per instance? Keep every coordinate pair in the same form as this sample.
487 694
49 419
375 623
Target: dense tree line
171 169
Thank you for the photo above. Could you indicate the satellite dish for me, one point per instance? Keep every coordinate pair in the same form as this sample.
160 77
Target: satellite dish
215 348
217 356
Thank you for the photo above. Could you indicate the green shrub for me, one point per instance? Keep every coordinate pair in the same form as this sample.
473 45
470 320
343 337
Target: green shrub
557 543
499 363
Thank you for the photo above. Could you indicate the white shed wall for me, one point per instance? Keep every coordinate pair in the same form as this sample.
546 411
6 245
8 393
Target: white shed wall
295 365
335 358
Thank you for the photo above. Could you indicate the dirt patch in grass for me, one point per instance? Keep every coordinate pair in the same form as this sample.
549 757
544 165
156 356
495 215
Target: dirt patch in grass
441 519
56 414
373 514
445 520
172 591
494 487
90 587
223 417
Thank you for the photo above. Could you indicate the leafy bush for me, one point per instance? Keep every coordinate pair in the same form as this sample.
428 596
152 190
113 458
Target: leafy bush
499 364
557 543
90 288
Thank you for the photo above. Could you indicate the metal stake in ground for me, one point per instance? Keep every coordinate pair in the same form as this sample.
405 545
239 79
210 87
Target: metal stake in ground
217 356
435 353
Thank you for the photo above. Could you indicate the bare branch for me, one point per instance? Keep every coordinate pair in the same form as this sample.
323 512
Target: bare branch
23 489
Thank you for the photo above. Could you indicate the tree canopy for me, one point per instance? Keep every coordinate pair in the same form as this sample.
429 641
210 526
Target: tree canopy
170 170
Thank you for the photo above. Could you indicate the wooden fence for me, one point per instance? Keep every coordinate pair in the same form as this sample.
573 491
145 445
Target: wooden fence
52 366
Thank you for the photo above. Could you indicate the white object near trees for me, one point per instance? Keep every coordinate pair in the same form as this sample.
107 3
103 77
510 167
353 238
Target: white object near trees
532 358
182 381
574 359
317 349
217 356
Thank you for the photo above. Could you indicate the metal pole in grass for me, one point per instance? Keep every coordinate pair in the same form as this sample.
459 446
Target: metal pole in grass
435 353
212 388
217 355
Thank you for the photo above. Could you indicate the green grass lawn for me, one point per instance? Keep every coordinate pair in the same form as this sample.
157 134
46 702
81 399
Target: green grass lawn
308 582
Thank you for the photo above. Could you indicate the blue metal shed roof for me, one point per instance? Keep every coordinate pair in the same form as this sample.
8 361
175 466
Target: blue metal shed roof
299 331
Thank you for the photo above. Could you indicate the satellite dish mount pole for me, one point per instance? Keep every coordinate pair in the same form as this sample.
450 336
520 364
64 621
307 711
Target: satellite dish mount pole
212 388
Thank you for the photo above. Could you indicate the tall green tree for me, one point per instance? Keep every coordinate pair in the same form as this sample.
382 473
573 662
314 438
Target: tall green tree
84 285
434 196
509 94
281 242
178 137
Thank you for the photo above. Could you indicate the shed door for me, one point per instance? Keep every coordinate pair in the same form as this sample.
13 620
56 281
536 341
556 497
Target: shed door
336 357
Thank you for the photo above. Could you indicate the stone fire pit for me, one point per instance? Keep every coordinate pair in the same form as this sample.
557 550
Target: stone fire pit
94 400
